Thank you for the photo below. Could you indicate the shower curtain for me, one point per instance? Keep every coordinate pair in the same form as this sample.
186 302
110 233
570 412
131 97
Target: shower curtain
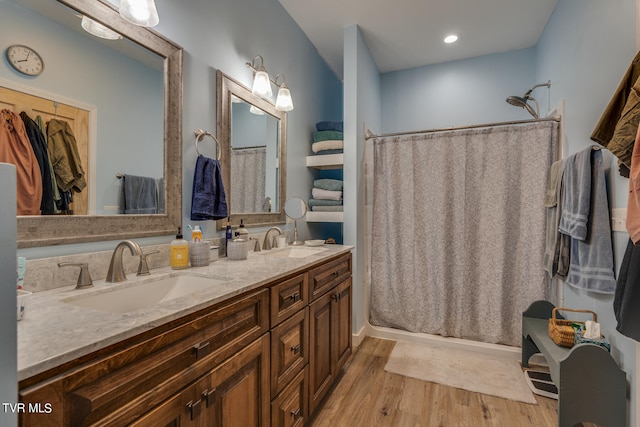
248 175
458 230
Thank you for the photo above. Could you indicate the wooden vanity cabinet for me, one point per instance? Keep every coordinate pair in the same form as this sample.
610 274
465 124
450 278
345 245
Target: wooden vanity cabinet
329 326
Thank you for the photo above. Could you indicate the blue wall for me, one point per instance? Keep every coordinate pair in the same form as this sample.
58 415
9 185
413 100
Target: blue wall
585 50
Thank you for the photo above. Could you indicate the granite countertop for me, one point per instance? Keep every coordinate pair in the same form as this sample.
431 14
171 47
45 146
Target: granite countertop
54 332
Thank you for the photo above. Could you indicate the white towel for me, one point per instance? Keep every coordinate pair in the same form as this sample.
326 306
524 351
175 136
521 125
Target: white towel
330 144
319 193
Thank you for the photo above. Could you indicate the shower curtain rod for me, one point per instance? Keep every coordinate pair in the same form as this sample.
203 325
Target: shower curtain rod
369 134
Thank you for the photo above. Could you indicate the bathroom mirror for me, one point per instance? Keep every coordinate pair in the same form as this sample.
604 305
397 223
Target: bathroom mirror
253 137
295 208
63 229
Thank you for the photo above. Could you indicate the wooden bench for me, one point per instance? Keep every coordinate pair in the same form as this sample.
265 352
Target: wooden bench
591 386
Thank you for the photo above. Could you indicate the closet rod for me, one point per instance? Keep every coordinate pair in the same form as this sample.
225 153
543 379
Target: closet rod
370 135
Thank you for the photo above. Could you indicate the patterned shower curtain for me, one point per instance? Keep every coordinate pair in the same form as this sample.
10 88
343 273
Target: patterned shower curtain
248 175
458 230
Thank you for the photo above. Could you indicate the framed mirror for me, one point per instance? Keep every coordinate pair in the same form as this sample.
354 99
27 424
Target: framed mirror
165 138
253 136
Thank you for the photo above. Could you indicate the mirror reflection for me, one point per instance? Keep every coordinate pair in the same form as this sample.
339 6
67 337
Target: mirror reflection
254 145
252 134
105 96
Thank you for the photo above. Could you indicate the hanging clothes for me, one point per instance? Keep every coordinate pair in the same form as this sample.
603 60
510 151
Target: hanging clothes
65 158
16 149
54 185
612 129
39 145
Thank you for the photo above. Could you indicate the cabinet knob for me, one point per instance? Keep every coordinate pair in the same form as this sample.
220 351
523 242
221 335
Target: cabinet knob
295 297
296 414
295 349
194 408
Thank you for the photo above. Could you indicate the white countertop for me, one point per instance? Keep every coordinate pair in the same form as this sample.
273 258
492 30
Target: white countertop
54 332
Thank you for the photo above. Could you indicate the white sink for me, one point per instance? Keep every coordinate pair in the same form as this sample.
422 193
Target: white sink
294 252
128 297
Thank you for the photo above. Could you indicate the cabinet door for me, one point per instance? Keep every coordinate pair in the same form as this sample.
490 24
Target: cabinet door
341 335
320 374
289 408
239 393
289 350
182 410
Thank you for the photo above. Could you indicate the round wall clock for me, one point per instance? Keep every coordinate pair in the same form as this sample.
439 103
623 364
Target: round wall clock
24 59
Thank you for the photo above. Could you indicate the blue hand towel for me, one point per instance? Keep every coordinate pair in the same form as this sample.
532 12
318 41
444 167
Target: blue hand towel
139 195
591 259
320 126
208 199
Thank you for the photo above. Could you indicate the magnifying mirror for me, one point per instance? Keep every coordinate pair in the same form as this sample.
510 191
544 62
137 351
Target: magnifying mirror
295 208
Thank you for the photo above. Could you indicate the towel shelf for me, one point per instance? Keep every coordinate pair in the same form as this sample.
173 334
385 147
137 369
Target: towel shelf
200 134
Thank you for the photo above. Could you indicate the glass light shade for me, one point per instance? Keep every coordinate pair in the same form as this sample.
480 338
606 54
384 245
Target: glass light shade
262 85
140 12
255 110
284 101
98 30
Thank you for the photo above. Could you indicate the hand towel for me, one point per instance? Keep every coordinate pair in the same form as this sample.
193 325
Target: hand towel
327 135
577 195
591 260
208 199
319 193
317 147
553 203
328 184
139 195
321 202
338 126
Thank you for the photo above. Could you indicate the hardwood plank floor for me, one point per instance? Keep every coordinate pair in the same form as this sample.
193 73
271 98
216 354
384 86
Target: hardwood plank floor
366 395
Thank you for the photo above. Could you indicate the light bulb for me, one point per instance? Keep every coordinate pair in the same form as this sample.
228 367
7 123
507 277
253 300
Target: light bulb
262 85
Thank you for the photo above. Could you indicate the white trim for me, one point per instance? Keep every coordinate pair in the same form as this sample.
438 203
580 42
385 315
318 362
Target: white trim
93 128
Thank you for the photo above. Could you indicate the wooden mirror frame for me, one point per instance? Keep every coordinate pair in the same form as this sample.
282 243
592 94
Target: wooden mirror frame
59 229
226 87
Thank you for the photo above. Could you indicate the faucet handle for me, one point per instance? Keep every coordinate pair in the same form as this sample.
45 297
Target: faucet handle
143 267
84 279
256 246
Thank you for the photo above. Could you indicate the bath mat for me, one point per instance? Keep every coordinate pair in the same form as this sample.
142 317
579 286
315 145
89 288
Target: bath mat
468 370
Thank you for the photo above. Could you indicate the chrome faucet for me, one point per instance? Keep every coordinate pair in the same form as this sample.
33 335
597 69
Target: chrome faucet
116 269
268 244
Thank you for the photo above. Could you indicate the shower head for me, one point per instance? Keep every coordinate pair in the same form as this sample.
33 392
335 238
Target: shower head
523 102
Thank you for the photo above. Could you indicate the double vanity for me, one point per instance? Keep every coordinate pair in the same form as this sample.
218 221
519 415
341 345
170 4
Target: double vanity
237 343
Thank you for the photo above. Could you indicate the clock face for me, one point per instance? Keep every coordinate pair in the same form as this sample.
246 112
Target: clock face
25 60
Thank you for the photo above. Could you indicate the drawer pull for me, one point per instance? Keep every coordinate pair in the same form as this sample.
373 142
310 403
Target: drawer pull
202 350
336 297
295 349
207 395
194 409
296 414
295 297
335 273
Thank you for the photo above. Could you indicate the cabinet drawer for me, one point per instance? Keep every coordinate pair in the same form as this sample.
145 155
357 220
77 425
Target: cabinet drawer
115 389
290 408
328 275
289 349
288 298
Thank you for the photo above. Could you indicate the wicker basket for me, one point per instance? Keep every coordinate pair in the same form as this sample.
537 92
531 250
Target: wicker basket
562 331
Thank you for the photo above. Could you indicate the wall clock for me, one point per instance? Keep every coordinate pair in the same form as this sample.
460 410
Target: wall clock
24 59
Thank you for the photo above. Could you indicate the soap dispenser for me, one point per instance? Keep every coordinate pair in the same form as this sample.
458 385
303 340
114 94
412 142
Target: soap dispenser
179 252
242 232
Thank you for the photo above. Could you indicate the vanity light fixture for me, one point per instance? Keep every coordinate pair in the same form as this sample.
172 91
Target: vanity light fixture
283 100
98 30
262 85
140 12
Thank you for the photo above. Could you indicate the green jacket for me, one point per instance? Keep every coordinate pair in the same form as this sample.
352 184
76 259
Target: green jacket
64 156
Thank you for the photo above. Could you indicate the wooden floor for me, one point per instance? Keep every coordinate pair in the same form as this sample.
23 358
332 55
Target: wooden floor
368 396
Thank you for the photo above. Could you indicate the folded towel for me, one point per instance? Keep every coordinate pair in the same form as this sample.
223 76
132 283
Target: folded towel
553 203
208 199
577 195
326 135
319 193
328 184
321 202
316 147
327 208
320 126
139 195
591 260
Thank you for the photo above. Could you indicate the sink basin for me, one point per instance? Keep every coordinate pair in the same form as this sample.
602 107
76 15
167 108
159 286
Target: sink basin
293 252
135 296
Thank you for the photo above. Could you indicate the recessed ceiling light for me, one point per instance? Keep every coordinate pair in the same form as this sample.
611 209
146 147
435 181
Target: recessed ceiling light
451 38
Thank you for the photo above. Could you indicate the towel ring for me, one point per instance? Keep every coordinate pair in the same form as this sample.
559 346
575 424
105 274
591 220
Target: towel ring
201 134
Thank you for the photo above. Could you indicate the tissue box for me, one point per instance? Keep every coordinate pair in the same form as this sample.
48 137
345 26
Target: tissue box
602 342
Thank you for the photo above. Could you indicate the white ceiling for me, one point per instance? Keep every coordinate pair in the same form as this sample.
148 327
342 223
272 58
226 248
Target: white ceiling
408 33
